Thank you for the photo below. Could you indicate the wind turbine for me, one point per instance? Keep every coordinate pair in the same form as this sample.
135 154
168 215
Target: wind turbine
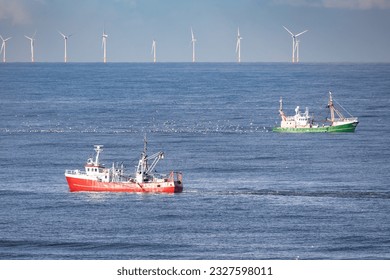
104 46
3 45
154 50
238 46
66 43
32 39
295 46
193 40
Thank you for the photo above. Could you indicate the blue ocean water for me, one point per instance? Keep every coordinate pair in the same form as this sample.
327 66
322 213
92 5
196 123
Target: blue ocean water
249 193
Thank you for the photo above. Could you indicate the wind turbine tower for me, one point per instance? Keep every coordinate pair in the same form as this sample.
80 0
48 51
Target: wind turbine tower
66 43
104 46
3 45
297 50
238 46
154 50
295 46
193 40
32 40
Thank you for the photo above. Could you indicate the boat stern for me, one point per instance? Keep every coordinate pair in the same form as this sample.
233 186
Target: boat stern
177 178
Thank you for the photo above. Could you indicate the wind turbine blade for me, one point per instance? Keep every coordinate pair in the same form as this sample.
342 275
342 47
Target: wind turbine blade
61 34
2 47
1 37
192 34
7 39
238 44
28 37
34 34
288 30
301 33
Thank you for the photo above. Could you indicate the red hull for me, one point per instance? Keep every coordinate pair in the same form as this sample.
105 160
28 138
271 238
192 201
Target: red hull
85 185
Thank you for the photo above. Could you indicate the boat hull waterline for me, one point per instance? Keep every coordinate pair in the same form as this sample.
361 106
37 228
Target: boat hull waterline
350 127
85 185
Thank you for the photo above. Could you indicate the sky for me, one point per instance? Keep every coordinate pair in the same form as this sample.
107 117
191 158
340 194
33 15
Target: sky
338 30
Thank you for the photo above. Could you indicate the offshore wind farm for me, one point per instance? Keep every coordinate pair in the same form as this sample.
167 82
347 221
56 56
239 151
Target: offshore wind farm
132 24
295 49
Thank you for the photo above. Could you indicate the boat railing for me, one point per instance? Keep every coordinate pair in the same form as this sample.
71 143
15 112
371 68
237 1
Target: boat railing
75 172
350 119
177 174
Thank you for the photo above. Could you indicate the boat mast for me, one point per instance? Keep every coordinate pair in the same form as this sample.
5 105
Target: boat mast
145 144
333 110
281 109
331 107
98 150
145 156
143 163
143 169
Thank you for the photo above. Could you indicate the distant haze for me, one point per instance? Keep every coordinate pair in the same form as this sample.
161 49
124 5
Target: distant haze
339 30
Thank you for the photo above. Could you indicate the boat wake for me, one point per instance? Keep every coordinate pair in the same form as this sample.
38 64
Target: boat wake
319 194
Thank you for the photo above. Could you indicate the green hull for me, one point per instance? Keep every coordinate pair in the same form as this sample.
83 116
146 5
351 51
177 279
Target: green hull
349 127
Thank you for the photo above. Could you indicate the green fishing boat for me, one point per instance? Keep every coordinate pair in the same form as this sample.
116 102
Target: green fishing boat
304 123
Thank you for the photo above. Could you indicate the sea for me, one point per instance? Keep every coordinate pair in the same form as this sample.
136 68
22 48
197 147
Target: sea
249 193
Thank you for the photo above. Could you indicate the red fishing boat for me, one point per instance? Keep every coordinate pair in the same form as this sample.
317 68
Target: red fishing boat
98 178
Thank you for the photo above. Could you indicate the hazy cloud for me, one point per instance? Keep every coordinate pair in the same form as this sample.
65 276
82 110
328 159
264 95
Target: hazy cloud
14 10
357 4
338 4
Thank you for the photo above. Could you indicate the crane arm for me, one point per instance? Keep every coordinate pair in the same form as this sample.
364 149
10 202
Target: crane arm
156 157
